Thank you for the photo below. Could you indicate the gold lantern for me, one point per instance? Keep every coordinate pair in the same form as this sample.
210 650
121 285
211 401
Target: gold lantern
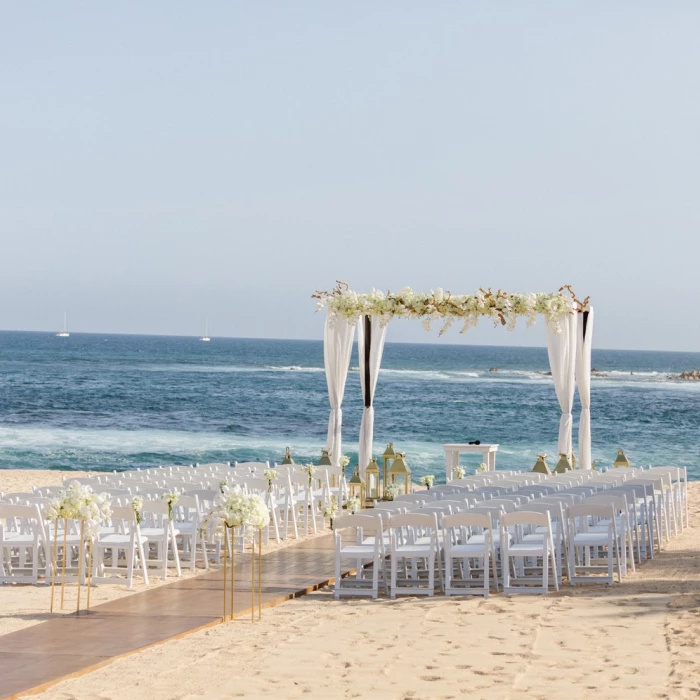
356 487
540 465
621 460
288 459
372 481
400 474
563 465
388 459
324 460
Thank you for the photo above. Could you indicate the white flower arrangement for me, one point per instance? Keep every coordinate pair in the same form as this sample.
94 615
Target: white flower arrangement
391 491
503 307
353 504
79 502
137 505
330 508
344 461
459 472
171 498
233 509
255 512
483 467
427 480
270 475
310 469
223 484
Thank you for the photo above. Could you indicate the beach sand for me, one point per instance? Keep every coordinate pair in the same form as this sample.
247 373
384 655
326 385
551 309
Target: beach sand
638 639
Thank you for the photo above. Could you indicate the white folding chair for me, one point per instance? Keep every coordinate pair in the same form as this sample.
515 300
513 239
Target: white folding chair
366 546
457 529
126 537
21 534
404 531
586 543
523 550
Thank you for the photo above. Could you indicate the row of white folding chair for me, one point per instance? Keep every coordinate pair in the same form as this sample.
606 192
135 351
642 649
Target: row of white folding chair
679 480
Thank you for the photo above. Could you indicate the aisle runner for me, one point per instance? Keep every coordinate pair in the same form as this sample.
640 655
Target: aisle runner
70 644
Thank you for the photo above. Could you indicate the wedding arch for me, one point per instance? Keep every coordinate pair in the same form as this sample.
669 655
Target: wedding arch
569 329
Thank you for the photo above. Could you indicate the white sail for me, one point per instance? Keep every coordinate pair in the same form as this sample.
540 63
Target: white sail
64 333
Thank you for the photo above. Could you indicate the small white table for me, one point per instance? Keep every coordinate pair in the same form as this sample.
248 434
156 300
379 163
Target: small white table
488 455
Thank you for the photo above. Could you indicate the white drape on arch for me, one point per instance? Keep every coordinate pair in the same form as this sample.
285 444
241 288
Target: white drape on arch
337 348
583 381
370 347
561 348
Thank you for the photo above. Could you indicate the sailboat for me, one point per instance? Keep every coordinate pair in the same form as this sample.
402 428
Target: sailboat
64 333
205 338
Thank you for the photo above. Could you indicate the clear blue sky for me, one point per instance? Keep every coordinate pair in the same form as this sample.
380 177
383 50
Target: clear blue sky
160 161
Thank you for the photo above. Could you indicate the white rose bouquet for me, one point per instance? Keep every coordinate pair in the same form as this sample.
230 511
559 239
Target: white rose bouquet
391 491
137 505
482 467
171 498
330 508
353 504
310 469
79 502
270 475
227 511
427 480
344 461
256 514
459 472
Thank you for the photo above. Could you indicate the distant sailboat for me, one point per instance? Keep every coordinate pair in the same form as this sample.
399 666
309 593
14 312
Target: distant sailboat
64 333
205 338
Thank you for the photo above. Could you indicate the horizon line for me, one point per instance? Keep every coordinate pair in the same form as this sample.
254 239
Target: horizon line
320 340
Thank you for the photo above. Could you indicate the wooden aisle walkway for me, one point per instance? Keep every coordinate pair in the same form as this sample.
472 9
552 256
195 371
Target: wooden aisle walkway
40 655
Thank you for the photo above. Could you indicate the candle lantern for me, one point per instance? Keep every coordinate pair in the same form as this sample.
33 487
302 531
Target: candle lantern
400 474
541 466
372 481
621 460
356 487
288 459
324 460
563 465
388 459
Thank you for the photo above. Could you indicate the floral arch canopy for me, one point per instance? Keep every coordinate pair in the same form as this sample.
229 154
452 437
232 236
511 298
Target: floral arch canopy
569 324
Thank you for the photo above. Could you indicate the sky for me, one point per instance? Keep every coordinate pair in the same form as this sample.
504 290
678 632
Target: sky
163 162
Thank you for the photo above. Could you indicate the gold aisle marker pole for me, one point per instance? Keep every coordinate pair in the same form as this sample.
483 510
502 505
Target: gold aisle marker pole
252 579
80 562
233 561
259 573
53 560
63 567
223 619
89 573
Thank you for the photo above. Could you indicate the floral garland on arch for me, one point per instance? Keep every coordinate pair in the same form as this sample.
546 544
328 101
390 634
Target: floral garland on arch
502 307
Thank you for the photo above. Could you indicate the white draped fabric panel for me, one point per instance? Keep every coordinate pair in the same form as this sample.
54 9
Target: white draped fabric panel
370 347
561 348
337 348
583 381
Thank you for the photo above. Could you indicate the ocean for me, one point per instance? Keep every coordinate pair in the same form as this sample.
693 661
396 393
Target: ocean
105 402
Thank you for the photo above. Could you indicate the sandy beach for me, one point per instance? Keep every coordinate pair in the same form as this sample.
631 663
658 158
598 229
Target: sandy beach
637 639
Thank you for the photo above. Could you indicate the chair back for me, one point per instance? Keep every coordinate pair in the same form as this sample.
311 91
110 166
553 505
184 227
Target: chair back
481 520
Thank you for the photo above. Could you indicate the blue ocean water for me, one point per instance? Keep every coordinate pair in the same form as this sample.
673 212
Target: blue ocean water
120 402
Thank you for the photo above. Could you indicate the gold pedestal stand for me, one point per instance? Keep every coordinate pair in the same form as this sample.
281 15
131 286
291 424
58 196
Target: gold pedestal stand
54 564
233 561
